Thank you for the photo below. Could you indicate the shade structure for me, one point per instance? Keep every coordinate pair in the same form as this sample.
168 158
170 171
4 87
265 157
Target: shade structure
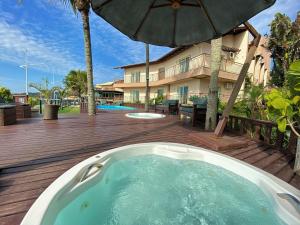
177 22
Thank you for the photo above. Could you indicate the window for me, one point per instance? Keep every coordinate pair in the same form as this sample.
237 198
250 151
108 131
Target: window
228 85
135 77
184 65
160 92
183 94
135 96
161 73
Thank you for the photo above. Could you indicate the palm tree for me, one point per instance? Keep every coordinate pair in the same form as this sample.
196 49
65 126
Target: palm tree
76 82
212 104
147 79
83 7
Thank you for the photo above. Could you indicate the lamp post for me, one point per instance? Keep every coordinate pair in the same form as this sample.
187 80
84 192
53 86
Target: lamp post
26 77
26 67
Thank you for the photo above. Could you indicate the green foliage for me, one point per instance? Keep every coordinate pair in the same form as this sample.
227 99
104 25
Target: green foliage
194 98
33 101
284 44
251 105
277 76
76 82
5 95
283 105
221 106
69 110
158 100
293 78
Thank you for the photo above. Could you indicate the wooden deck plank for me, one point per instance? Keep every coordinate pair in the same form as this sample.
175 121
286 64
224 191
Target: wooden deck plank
35 152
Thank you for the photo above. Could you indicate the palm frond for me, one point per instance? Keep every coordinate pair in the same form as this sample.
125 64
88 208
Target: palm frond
71 3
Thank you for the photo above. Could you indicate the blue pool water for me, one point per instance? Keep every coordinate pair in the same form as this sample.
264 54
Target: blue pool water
147 190
114 107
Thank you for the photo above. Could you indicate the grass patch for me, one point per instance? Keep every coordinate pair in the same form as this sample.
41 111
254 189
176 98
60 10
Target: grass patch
69 110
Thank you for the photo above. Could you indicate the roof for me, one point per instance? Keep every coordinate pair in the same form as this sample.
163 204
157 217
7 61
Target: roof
106 84
178 50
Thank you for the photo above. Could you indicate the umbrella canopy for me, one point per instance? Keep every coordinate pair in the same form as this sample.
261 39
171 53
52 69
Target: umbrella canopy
177 22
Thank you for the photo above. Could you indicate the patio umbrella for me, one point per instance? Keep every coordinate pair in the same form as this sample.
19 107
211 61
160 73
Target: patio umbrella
177 22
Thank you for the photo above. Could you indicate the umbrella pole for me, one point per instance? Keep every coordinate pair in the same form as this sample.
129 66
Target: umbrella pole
147 79
238 84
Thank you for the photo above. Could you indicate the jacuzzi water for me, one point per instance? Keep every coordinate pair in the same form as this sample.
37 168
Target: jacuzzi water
145 115
115 107
153 189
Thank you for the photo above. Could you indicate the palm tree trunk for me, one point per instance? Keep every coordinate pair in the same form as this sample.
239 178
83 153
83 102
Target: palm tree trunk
89 63
147 79
212 104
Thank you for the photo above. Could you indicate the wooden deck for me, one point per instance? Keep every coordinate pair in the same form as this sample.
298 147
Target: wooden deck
35 152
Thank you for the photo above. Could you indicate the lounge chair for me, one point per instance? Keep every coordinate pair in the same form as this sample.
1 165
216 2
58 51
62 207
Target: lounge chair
196 111
168 107
119 103
102 102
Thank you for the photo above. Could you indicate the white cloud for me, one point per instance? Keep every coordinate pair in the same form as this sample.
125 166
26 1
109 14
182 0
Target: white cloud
14 41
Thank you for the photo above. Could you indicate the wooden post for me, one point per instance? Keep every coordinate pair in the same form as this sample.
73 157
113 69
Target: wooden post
147 79
297 159
41 106
268 134
279 139
257 131
238 84
242 127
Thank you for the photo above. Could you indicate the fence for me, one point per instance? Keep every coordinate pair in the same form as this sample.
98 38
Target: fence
264 131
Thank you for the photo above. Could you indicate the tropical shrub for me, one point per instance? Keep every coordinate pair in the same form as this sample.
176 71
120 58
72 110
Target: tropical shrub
194 98
252 105
283 105
33 101
5 95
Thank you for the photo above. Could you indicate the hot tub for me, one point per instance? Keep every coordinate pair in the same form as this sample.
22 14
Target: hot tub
165 183
145 115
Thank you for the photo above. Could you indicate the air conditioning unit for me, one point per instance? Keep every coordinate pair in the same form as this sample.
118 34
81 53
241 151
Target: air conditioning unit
231 55
228 85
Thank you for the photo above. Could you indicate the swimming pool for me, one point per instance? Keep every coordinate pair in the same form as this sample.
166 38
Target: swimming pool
114 107
164 183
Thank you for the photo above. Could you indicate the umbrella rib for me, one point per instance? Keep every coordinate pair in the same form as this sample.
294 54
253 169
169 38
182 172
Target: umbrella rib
207 15
143 20
162 5
174 27
103 4
168 4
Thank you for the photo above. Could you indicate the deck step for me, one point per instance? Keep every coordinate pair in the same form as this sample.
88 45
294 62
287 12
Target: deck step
209 140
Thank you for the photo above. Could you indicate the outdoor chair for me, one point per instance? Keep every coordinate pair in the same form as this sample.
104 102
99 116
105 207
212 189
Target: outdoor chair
168 107
196 111
119 103
102 102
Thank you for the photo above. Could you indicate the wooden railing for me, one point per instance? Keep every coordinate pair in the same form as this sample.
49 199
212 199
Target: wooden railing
264 131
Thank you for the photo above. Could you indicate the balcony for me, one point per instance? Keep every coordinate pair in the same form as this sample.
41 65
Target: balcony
196 67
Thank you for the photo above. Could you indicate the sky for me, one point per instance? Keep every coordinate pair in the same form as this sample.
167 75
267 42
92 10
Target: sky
48 35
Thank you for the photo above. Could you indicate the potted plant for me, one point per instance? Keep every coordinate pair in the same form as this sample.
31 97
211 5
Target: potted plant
50 110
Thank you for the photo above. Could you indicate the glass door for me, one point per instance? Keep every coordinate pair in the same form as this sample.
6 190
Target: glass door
183 94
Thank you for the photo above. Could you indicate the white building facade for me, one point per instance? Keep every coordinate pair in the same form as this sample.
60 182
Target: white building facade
185 71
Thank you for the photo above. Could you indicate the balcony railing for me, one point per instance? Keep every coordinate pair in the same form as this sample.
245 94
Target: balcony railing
196 62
